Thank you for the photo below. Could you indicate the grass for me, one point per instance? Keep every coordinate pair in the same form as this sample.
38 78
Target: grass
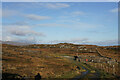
50 63
70 74
102 74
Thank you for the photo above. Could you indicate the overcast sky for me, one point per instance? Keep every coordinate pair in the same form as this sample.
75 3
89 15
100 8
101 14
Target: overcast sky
82 23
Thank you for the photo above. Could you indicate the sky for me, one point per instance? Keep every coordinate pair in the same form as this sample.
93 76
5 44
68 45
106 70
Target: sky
58 22
60 0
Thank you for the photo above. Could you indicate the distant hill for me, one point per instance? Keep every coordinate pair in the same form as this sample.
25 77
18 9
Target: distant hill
14 43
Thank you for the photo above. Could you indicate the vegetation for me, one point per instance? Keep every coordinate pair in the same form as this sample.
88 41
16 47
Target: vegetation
51 61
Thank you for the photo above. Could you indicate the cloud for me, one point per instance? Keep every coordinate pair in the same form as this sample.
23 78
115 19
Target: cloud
9 13
24 32
39 5
0 21
20 23
75 40
112 0
18 39
77 13
21 33
0 10
115 10
52 25
8 38
18 30
86 41
106 42
17 0
70 24
60 0
37 17
55 5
